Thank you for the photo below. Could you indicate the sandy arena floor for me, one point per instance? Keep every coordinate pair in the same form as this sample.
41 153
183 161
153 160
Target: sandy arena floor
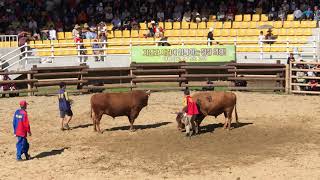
279 139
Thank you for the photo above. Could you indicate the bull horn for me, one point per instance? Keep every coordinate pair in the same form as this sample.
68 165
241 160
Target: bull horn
148 92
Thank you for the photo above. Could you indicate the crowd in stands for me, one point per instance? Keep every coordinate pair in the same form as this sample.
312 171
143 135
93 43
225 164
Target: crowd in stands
42 18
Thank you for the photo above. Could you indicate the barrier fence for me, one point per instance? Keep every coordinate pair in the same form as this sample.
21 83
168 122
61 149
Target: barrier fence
154 76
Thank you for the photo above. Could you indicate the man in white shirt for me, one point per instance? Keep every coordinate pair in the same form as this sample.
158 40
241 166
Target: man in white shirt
297 14
187 16
52 33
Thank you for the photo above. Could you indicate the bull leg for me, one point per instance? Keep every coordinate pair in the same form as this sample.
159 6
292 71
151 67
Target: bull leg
195 127
229 123
97 123
93 116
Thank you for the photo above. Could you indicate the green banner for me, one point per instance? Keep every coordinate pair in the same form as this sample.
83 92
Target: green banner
167 54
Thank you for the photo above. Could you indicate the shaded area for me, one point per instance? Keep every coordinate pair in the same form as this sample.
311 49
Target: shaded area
148 126
50 153
82 126
211 127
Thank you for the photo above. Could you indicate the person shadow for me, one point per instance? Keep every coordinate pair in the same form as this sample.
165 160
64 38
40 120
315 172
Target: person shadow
211 127
81 126
141 127
50 153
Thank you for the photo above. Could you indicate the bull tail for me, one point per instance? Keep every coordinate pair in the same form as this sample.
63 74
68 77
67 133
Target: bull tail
90 111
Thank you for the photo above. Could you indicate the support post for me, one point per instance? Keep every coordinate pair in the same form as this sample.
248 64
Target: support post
29 77
287 87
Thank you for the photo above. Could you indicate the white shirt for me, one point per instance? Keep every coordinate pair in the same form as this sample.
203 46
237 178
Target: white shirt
261 38
297 13
52 34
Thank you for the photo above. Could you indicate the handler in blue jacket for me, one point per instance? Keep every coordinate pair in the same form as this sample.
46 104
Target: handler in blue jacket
64 107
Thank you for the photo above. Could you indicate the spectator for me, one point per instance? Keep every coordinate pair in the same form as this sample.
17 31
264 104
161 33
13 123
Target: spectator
116 22
143 9
125 15
52 33
293 6
75 31
22 40
308 14
282 14
96 48
298 14
134 24
229 15
205 13
177 12
210 36
187 16
261 38
109 15
269 38
221 15
126 24
160 14
290 59
316 13
91 34
272 14
33 25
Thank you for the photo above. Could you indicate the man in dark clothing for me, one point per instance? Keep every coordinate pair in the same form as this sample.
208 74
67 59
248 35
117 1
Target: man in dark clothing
64 107
23 39
210 36
290 59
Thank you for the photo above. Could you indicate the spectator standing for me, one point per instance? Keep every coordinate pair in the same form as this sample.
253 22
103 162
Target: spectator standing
290 58
75 31
52 33
261 38
316 13
273 14
210 36
96 48
21 128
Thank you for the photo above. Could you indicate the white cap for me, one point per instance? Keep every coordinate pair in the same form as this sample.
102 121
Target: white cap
153 22
211 29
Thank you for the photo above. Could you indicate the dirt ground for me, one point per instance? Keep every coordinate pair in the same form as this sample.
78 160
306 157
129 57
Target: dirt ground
279 138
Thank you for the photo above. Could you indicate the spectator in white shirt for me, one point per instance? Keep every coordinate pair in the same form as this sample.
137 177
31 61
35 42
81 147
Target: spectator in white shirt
52 33
261 38
187 16
297 14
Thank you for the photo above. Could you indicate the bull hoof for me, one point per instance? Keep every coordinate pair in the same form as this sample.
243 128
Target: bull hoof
133 130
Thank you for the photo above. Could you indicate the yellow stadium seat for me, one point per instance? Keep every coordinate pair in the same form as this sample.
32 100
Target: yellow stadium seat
62 43
68 35
233 32
216 32
242 32
291 32
201 33
188 40
288 24
109 27
264 17
115 41
126 33
225 32
201 41
193 25
210 24
192 32
87 43
236 25
135 40
168 33
309 24
238 18
184 32
60 35
58 51
256 17
227 25
290 17
117 34
168 25
134 33
31 44
126 41
274 32
71 43
143 26
253 32
55 43
307 32
247 17
212 18
252 25
176 25
110 34
218 25
38 44
283 32
296 24
142 32
202 25
174 41
277 24
245 25
185 25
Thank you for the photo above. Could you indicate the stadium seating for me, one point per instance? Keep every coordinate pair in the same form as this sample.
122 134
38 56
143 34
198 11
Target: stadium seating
244 29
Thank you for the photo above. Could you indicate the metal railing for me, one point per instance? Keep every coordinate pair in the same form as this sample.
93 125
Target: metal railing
74 49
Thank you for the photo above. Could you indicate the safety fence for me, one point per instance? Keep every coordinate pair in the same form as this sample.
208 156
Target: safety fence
156 77
304 77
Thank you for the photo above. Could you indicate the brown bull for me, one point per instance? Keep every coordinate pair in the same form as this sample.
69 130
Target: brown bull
118 104
211 104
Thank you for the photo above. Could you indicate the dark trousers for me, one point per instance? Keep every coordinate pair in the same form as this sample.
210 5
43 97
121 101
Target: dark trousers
22 147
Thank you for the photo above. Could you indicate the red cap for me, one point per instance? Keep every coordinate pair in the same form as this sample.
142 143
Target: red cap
23 103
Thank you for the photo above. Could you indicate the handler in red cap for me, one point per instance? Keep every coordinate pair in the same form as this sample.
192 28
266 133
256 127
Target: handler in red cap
21 128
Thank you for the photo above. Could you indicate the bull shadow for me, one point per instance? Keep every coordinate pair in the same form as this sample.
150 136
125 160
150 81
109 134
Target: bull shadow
211 127
139 127
82 126
50 153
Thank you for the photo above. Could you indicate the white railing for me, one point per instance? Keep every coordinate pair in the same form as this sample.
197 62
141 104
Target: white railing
52 49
